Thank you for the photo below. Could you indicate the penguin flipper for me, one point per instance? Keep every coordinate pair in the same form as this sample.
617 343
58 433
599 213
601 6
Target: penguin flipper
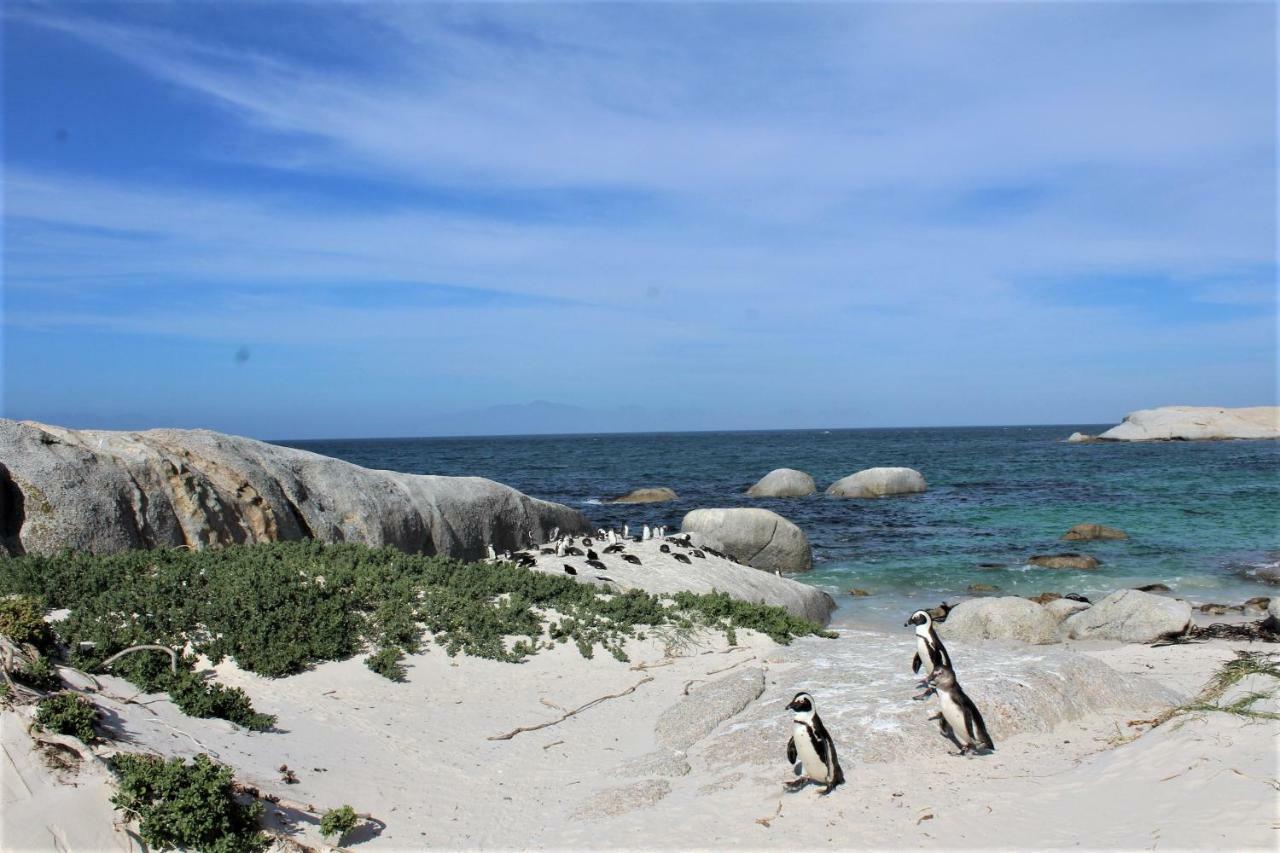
976 725
915 662
791 750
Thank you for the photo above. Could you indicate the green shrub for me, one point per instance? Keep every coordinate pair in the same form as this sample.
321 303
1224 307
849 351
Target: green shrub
198 697
279 608
386 662
39 674
68 714
22 620
336 823
185 806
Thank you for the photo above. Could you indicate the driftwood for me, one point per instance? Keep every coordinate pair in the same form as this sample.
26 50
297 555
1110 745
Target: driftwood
731 666
173 656
632 689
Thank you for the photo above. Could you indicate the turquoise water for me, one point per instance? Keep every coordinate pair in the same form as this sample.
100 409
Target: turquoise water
1202 517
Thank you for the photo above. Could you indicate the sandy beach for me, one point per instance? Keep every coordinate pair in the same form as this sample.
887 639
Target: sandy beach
690 752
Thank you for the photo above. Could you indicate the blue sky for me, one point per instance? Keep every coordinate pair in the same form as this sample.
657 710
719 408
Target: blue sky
297 221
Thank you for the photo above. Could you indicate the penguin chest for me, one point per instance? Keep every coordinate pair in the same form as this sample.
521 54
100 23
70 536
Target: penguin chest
811 761
926 654
953 713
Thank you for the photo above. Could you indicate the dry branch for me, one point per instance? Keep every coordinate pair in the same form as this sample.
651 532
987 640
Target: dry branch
632 689
173 655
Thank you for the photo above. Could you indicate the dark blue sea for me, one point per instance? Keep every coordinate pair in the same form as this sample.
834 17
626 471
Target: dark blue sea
1202 517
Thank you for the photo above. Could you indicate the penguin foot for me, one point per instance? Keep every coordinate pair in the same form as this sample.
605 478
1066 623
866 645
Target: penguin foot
795 784
920 697
827 790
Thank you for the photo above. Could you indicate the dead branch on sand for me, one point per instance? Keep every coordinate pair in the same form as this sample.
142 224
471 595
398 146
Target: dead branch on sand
632 689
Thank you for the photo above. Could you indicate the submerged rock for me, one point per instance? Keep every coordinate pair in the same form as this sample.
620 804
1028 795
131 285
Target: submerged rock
1086 532
981 588
654 495
1196 423
756 537
1130 616
102 492
783 483
1081 438
1153 587
1064 561
1003 618
878 483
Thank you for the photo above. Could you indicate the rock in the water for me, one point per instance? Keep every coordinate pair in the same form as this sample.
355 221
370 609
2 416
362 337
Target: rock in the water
103 492
858 593
1086 532
1004 618
879 483
981 588
1081 438
655 495
1064 561
756 537
1153 587
1196 423
1130 616
783 483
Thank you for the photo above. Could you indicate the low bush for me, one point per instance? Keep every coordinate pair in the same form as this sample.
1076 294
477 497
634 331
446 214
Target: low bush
68 714
22 620
185 806
386 662
336 823
39 675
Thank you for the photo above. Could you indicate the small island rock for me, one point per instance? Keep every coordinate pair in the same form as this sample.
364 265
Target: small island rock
1196 423
654 495
878 483
1064 561
783 483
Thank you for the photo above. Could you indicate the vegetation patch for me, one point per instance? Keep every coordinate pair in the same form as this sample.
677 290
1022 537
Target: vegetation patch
335 823
1231 673
278 608
22 620
68 714
186 806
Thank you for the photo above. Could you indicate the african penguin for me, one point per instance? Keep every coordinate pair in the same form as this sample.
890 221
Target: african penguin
698 554
573 552
631 558
646 534
569 570
595 564
586 543
958 717
812 747
592 555
664 548
614 548
682 558
930 652
493 555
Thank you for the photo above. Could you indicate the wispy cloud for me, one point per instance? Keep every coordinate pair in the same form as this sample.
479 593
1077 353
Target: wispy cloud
881 188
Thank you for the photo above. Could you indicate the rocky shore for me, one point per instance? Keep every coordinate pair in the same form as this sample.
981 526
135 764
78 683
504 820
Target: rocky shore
1191 423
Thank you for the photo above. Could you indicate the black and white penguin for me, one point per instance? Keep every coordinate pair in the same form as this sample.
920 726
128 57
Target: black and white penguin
930 653
682 558
490 553
592 555
664 548
812 747
573 552
957 716
701 556
569 570
614 548
587 543
595 564
631 558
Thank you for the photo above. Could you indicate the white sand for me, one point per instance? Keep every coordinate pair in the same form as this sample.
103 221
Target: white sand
417 756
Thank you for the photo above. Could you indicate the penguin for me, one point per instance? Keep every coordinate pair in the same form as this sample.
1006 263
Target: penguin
550 551
682 558
605 578
631 558
626 532
1075 596
559 547
526 561
664 548
811 745
698 554
592 555
930 653
492 554
569 570
555 534
573 552
614 548
957 716
587 543
595 564
612 537
645 534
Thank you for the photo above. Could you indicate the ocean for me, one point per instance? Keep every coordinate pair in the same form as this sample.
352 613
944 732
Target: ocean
1202 517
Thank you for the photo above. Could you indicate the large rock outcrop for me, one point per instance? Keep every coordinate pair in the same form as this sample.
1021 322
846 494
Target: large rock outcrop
1196 423
1129 616
1005 618
757 537
783 483
102 492
879 483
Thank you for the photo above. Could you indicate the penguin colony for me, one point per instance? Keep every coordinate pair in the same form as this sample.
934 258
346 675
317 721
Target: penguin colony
811 751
